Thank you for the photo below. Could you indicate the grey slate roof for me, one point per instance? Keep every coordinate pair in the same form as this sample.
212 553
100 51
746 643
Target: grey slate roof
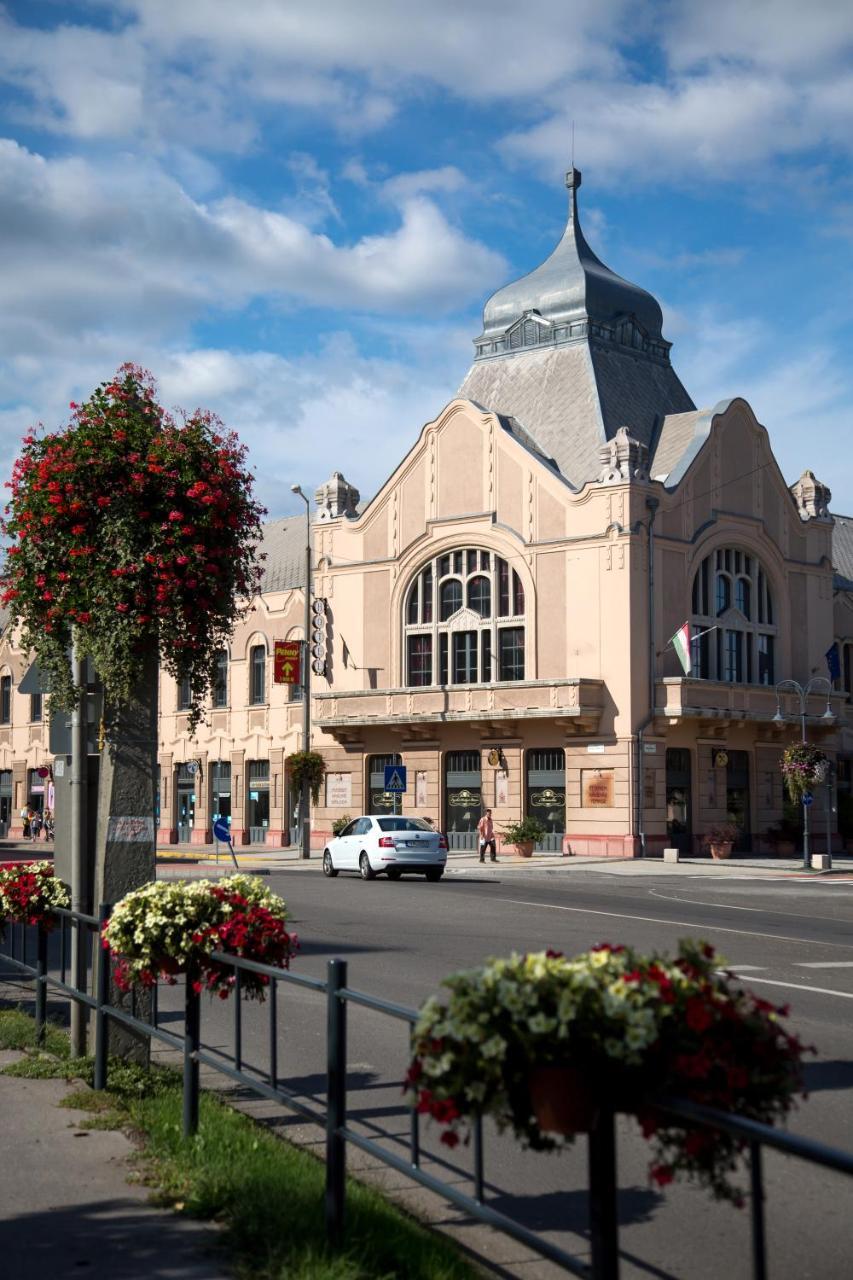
571 399
842 551
573 352
675 436
284 545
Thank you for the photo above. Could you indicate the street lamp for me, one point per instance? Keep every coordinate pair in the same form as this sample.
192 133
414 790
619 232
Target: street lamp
803 692
306 678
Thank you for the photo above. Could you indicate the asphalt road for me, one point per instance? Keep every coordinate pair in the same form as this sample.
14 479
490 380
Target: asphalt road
793 940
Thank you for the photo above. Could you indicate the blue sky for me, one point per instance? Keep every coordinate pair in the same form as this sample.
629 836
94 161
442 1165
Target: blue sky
293 212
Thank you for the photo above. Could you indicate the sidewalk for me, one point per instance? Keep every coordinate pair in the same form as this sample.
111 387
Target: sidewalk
66 1208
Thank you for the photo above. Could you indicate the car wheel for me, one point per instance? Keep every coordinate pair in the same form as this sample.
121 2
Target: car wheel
328 866
367 872
434 873
393 873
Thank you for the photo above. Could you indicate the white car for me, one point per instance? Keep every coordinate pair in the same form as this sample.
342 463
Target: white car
389 843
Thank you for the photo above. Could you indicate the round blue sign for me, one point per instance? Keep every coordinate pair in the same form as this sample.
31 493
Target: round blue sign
807 797
222 831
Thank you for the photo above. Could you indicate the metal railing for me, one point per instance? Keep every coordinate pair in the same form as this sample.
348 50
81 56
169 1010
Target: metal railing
601 1163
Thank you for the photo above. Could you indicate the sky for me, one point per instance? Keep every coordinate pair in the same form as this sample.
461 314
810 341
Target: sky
292 213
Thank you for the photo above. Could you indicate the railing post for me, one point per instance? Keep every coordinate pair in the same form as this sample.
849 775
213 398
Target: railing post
603 1218
41 983
102 996
756 1178
192 1038
336 1101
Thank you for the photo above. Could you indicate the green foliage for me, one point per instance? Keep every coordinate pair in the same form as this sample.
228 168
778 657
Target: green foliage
339 824
18 1031
131 534
529 829
310 767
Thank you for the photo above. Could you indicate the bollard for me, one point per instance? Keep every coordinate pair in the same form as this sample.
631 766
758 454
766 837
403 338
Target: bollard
670 855
192 1042
336 1102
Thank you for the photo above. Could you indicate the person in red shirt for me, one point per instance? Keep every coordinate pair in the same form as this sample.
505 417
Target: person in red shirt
486 831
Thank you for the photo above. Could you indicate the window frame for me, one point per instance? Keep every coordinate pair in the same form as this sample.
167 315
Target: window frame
257 686
737 645
489 598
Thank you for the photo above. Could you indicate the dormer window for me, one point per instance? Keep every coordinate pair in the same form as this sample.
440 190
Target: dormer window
464 621
733 606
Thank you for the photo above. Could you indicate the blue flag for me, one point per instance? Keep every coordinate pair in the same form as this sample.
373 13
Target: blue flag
833 661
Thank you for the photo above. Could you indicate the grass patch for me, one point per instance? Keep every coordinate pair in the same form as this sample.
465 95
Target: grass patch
266 1194
18 1031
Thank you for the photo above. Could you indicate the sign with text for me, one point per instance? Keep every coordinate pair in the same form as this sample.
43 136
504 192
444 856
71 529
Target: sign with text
287 662
338 790
597 785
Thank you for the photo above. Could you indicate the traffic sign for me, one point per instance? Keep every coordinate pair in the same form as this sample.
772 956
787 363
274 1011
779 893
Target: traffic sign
395 777
287 662
808 798
222 831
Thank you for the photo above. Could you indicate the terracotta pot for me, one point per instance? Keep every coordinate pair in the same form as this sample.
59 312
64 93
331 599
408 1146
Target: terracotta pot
525 849
721 850
562 1100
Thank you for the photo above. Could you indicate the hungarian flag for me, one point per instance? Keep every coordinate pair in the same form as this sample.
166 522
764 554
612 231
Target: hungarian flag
681 644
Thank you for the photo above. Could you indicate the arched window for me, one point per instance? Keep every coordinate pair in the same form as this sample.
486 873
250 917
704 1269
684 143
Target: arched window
220 683
735 638
257 675
464 621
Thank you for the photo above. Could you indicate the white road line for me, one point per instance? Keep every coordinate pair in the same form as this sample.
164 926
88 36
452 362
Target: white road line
796 986
748 968
677 924
729 906
824 964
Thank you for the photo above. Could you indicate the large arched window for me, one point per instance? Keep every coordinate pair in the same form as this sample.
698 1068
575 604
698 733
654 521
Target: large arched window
733 607
464 621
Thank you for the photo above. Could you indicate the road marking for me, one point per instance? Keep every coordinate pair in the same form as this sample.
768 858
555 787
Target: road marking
749 968
796 986
824 964
677 924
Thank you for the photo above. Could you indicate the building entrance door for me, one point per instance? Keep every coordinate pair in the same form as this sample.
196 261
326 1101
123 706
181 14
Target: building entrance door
679 820
546 795
185 798
463 798
737 799
259 801
380 800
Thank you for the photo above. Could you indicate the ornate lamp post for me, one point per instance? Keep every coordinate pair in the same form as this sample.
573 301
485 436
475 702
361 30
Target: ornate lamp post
803 692
306 679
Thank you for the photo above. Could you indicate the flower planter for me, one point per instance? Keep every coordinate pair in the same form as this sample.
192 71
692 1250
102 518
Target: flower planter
562 1100
525 849
721 850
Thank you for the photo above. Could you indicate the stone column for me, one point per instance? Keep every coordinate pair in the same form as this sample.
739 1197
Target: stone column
239 799
125 842
277 833
202 832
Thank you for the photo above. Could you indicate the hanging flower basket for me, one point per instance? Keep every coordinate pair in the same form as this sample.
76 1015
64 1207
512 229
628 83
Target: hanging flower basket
167 928
539 1042
29 891
131 533
310 767
803 768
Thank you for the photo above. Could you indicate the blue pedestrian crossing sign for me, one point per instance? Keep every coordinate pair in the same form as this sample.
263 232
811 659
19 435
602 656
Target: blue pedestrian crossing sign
807 796
395 777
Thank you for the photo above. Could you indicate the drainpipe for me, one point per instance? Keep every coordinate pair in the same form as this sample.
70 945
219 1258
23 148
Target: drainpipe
652 505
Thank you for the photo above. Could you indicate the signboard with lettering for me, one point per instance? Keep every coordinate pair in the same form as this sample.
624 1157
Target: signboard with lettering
338 790
597 788
287 662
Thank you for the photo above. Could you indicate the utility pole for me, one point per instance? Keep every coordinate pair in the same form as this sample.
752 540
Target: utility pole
304 796
803 693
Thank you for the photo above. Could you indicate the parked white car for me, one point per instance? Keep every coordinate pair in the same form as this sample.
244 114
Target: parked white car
385 842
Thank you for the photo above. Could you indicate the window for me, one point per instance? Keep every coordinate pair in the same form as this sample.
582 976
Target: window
380 800
733 614
257 675
455 617
35 708
220 682
184 694
5 699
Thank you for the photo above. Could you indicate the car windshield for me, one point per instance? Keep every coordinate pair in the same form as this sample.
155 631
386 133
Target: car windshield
404 824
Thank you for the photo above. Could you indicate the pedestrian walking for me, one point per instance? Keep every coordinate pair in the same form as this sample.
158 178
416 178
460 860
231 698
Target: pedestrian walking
48 824
486 832
35 825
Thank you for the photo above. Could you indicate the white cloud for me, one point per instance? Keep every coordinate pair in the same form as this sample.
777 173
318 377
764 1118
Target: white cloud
124 246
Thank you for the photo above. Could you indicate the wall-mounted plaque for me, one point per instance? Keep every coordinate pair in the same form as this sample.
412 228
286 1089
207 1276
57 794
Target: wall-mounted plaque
338 790
597 788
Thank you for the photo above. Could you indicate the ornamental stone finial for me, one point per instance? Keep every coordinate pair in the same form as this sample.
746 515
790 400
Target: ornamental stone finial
623 460
812 497
336 498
